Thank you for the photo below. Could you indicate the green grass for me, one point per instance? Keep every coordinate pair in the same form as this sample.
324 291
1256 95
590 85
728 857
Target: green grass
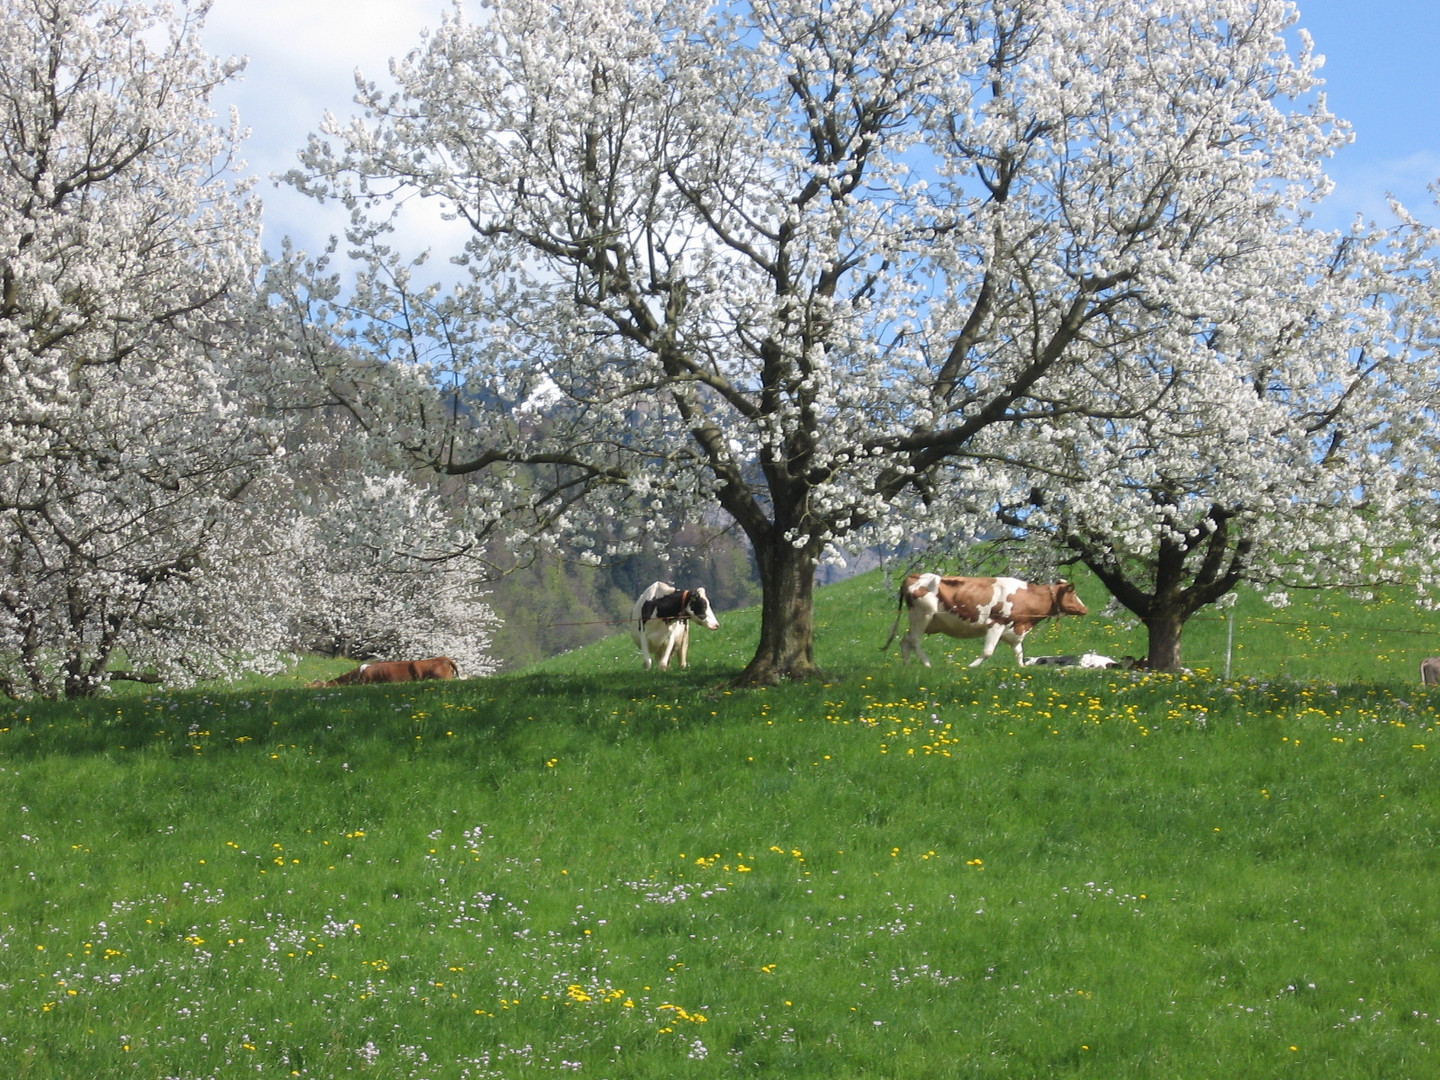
585 869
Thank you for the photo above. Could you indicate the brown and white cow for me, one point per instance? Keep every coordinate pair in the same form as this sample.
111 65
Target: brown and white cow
995 608
660 621
388 671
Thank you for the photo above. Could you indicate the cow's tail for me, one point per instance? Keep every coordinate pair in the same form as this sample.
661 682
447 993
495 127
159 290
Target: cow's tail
900 609
893 631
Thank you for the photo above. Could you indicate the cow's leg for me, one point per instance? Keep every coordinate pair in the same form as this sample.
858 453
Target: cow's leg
992 638
684 636
645 645
1019 644
669 648
911 644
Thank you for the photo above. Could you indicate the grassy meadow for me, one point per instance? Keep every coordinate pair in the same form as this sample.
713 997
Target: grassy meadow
586 869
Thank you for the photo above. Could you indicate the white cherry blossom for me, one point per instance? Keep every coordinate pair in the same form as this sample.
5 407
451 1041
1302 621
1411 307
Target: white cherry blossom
855 271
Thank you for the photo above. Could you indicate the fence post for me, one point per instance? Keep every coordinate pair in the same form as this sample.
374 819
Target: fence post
1229 640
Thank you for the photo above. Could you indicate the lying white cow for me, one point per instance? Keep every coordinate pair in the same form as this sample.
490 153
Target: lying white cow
1087 660
660 621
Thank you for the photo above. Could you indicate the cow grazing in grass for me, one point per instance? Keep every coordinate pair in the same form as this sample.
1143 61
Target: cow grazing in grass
392 671
995 608
660 622
1430 670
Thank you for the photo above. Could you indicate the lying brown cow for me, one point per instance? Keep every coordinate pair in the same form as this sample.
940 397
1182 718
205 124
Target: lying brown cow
1430 670
387 671
997 609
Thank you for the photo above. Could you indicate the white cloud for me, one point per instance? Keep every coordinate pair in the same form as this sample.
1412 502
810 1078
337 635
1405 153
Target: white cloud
303 55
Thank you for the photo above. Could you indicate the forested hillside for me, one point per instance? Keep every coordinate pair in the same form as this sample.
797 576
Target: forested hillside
557 604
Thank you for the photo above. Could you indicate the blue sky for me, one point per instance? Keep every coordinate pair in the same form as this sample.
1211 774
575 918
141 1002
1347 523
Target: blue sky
1382 76
1381 72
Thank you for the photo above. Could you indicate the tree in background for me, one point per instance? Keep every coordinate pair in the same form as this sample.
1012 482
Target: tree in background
818 264
1285 451
134 479
381 580
158 490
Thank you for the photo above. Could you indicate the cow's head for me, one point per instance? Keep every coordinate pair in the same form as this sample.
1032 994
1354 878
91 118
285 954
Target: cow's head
698 607
1067 602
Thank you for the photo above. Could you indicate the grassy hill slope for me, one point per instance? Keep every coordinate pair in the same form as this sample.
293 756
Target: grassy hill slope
1323 636
588 869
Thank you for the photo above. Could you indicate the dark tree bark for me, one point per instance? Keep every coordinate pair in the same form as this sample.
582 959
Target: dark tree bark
1182 577
786 650
1166 630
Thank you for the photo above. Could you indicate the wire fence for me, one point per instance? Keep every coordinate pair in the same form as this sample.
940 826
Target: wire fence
1242 636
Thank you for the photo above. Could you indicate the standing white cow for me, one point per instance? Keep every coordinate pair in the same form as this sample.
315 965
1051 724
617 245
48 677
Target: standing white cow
660 621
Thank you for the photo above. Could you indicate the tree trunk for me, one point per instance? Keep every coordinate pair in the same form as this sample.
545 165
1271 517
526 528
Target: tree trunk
787 616
1166 628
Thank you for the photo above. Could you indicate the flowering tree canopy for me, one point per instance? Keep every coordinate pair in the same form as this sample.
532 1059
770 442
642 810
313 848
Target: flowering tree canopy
848 266
380 580
1290 449
130 468
153 489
